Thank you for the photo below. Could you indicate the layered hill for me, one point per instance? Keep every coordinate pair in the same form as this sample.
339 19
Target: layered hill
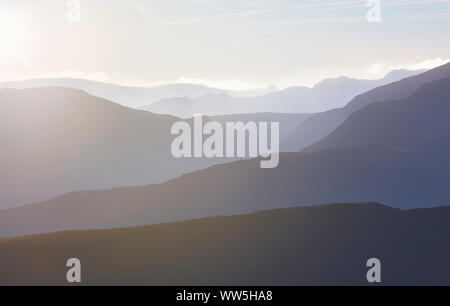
407 174
419 123
326 95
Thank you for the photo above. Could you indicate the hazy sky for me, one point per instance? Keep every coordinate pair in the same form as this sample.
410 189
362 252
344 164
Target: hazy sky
234 44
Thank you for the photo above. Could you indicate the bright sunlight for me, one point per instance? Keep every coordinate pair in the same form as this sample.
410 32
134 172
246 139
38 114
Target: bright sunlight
14 36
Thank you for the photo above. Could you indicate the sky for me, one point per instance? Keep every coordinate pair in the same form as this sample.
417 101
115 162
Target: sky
230 44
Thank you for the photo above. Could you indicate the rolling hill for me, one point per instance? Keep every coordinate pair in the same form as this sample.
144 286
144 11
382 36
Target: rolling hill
323 245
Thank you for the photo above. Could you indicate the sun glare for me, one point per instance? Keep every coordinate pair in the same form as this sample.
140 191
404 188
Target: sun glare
13 36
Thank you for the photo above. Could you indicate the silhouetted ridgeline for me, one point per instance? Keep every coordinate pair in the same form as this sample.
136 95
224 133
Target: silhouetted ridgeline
326 95
323 245
132 96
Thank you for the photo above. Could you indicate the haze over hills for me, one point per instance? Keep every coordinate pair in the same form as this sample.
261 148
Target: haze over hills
326 95
405 174
132 96
236 144
323 245
320 125
57 140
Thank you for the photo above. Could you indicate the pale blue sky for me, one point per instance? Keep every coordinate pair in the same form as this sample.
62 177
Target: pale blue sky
233 44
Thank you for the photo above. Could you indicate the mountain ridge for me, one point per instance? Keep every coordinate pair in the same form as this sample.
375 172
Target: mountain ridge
370 117
320 125
327 94
130 96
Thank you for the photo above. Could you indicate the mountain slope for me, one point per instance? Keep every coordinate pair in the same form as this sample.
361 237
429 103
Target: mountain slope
324 245
320 125
57 140
328 94
420 122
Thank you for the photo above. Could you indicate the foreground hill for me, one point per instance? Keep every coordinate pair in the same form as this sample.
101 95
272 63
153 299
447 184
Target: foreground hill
326 95
324 245
58 140
321 125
